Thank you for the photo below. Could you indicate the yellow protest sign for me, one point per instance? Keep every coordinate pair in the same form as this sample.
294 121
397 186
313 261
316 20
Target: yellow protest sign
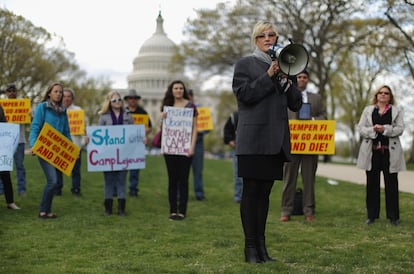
56 149
141 119
17 111
204 119
312 136
76 119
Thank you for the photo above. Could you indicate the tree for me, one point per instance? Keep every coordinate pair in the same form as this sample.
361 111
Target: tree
29 59
330 30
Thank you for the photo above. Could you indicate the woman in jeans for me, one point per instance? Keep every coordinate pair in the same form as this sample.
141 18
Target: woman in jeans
50 111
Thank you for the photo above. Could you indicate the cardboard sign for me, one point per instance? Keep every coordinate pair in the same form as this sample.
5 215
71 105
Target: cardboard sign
76 119
141 119
177 130
53 147
9 140
117 147
312 136
204 119
16 110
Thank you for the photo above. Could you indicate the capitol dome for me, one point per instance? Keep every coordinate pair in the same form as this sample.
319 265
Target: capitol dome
151 68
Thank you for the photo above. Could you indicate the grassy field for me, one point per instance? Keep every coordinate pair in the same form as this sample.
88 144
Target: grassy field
209 240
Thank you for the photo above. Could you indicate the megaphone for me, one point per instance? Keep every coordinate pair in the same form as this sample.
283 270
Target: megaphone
292 59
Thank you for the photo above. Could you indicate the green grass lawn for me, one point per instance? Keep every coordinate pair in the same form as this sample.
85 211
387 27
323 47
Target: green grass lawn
209 240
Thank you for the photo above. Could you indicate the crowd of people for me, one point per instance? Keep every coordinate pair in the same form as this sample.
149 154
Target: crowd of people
257 133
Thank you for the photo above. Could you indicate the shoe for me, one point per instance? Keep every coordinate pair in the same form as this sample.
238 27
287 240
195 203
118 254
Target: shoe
284 218
309 218
76 192
133 194
42 215
13 206
395 222
173 217
180 217
51 215
200 198
22 194
58 192
369 221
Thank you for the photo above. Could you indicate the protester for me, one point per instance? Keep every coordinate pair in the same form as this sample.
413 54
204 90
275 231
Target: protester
178 166
11 93
198 160
263 95
50 111
381 124
5 176
312 109
229 133
113 113
68 97
133 107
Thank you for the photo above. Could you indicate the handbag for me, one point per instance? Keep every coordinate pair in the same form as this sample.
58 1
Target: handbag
156 141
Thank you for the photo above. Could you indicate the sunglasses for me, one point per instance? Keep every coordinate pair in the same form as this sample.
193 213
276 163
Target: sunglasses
115 100
266 34
384 92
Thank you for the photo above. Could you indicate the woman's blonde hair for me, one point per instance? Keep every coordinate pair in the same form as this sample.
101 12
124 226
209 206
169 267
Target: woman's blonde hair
259 28
106 105
375 97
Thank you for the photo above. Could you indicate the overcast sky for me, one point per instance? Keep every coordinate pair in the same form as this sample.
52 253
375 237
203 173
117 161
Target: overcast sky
106 35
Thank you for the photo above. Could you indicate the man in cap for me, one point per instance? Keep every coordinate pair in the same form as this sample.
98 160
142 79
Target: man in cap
133 107
11 93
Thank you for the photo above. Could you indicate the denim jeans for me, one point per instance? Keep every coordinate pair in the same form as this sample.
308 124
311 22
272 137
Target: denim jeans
76 174
134 180
115 181
20 170
238 181
76 177
51 174
197 167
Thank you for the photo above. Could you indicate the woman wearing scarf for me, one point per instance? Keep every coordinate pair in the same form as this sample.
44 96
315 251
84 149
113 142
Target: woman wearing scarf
113 113
381 126
263 95
50 111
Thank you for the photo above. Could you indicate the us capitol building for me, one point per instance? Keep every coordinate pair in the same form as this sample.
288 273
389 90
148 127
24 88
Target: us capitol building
151 73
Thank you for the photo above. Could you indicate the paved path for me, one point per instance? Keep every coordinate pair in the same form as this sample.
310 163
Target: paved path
352 174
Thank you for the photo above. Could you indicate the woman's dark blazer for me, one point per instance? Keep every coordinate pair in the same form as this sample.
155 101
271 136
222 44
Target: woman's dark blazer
263 127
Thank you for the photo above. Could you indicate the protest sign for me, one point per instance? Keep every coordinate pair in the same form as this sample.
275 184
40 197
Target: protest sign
141 119
9 139
53 147
16 110
118 147
76 119
204 119
177 129
312 136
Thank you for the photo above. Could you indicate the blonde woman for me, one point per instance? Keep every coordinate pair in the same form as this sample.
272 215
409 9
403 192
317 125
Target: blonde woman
113 113
381 125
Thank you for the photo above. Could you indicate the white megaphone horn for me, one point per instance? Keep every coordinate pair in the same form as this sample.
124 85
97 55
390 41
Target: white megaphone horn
292 59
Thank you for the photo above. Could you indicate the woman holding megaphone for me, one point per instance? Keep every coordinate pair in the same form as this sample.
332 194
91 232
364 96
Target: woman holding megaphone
263 95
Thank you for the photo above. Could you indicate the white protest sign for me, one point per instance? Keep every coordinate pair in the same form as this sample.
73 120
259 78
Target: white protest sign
118 147
177 130
9 139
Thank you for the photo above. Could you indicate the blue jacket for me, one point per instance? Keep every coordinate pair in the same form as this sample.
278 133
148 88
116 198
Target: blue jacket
46 114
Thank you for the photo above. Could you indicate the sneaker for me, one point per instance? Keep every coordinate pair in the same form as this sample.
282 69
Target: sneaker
180 217
22 193
76 192
173 217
